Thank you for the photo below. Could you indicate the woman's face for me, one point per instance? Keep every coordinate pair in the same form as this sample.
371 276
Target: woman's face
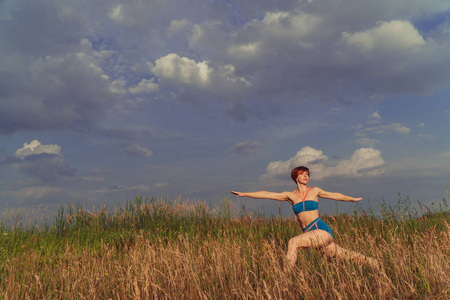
303 177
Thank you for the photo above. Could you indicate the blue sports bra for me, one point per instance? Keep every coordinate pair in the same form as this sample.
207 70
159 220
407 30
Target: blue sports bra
308 205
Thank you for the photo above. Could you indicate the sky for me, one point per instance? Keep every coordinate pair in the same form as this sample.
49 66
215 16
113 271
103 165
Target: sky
101 101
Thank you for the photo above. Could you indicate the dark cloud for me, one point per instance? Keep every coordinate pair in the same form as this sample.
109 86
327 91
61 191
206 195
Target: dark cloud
39 161
50 78
59 60
39 29
46 167
301 54
8 160
64 92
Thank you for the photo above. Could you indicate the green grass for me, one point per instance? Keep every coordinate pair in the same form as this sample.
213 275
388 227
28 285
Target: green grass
153 248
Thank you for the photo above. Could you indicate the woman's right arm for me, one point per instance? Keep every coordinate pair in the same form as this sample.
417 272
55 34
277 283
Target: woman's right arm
264 195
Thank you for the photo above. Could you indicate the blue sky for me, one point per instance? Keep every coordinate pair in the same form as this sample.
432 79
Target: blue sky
104 100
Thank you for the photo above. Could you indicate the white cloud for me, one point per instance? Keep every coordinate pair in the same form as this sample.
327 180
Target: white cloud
248 51
183 70
306 156
144 87
396 34
118 87
277 32
35 147
374 118
378 128
137 151
363 162
116 13
399 128
179 26
396 127
288 25
135 14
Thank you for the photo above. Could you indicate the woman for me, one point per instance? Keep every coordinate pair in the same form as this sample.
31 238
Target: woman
316 233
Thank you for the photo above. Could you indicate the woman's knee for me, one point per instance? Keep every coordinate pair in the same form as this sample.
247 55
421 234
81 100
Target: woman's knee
293 244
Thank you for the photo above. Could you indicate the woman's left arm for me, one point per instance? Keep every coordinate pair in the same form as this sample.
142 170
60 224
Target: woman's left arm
336 196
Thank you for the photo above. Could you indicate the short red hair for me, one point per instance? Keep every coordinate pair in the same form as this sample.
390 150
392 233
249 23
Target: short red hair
297 171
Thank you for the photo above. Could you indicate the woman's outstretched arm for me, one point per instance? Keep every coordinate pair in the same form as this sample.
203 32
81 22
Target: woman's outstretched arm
337 196
264 195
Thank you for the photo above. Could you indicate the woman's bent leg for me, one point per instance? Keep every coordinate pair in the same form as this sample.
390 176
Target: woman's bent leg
315 239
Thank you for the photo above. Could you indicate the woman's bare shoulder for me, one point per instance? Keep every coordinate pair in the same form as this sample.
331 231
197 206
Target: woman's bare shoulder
290 196
315 190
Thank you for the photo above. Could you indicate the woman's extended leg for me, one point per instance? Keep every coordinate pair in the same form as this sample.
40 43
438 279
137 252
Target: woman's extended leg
315 239
334 250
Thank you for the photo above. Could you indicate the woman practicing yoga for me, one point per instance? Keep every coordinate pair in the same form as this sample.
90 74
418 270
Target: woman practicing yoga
316 233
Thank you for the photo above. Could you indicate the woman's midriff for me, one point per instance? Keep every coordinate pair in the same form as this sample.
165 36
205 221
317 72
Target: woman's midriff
306 217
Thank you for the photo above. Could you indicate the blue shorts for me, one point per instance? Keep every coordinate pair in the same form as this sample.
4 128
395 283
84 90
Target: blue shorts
318 224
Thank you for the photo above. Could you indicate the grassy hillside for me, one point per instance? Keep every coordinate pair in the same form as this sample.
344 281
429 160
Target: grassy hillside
154 248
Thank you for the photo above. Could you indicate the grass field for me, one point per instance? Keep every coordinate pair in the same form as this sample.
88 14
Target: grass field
158 249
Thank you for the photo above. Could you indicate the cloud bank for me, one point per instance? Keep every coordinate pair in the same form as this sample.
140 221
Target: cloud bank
363 162
35 147
67 65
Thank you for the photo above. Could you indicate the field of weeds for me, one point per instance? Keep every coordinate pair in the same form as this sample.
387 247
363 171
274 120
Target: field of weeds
158 249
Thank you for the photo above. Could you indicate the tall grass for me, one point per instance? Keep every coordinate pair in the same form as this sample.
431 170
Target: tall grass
157 249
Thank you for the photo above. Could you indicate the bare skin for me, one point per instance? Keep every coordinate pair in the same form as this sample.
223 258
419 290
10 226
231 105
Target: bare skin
319 239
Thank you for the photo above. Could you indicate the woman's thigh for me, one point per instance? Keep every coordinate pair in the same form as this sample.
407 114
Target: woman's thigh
314 238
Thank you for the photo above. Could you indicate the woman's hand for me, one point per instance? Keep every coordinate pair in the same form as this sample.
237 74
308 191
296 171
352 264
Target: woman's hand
238 194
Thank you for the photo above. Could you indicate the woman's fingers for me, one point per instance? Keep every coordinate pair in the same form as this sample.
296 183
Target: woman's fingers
236 193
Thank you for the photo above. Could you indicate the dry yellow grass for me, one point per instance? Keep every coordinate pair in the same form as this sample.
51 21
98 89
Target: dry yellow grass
415 264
